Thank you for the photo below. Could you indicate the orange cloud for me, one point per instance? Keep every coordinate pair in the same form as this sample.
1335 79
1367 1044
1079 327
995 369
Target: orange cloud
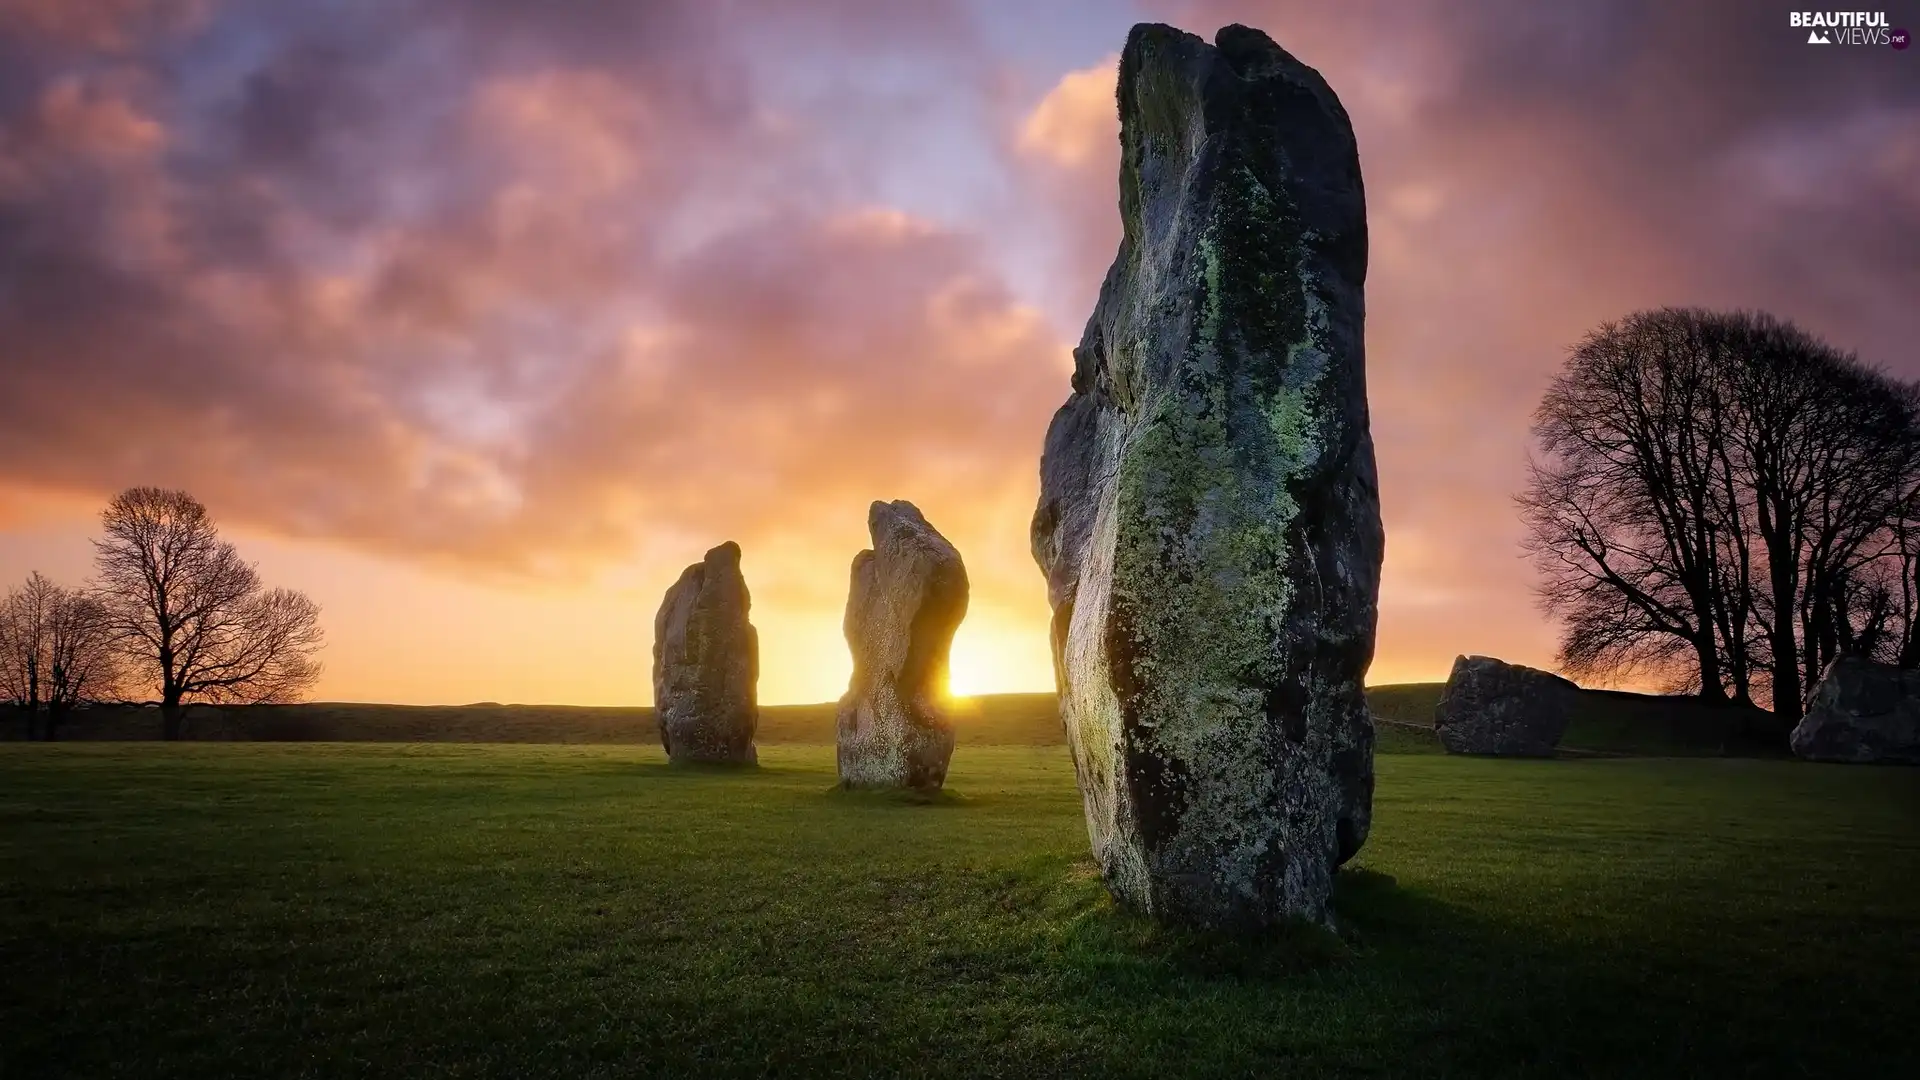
1077 119
566 293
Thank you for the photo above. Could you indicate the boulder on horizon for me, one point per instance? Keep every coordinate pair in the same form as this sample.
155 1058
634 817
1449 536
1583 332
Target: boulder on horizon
1864 713
1492 707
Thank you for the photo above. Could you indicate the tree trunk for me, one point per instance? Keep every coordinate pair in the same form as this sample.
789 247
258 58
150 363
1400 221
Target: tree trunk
1786 676
171 715
1712 692
1785 646
55 713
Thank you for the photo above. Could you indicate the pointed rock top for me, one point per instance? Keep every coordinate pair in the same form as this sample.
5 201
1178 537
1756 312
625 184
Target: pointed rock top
1178 94
892 524
883 513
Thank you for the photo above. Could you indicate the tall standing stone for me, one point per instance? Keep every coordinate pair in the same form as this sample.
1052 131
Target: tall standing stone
907 597
1209 517
706 660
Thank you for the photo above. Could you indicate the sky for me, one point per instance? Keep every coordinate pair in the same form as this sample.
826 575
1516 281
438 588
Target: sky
478 320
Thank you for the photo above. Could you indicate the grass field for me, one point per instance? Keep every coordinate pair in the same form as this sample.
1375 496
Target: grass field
434 910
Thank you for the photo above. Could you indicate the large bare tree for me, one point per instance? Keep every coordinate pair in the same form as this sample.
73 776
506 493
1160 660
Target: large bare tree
192 618
1722 494
56 652
1625 508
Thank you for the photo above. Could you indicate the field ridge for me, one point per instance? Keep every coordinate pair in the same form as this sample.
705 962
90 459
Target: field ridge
1607 721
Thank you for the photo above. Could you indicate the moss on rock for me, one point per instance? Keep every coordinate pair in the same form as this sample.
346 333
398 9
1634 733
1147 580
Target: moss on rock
1209 516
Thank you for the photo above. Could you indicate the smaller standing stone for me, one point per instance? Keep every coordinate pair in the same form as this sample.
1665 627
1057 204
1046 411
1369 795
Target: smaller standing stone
1493 707
907 597
706 660
1862 712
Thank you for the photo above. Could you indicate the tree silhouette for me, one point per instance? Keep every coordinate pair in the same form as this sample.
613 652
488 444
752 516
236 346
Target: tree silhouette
191 616
1722 494
56 651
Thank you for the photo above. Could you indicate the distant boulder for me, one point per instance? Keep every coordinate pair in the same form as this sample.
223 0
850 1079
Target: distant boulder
1862 712
1492 707
906 599
706 660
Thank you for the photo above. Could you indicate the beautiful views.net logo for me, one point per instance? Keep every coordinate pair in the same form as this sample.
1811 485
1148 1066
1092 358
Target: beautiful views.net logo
1849 28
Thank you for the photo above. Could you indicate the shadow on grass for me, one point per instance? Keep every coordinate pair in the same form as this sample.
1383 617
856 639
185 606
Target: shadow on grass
1091 934
1430 985
694 770
880 797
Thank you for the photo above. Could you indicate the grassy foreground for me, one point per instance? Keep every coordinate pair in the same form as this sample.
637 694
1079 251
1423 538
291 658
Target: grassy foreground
335 911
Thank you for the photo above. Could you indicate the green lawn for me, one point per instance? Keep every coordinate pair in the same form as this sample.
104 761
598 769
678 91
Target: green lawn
331 910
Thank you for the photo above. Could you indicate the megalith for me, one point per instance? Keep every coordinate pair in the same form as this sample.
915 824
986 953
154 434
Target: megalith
1862 712
906 599
1209 514
706 661
1492 707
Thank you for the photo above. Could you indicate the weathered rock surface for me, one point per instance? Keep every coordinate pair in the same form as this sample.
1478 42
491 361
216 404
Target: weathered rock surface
908 595
1209 516
706 661
1862 712
1492 707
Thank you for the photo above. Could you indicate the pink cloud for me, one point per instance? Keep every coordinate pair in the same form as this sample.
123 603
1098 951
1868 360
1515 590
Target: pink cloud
528 288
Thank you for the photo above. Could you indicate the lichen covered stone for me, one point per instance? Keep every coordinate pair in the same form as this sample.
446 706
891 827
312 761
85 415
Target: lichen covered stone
706 662
907 597
1209 519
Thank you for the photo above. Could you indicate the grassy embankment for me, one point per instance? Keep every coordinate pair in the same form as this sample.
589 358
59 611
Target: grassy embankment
1605 723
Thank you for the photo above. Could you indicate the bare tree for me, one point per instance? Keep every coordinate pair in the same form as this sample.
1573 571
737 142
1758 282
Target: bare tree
83 660
1827 450
191 616
1625 510
1903 553
1720 494
23 647
56 651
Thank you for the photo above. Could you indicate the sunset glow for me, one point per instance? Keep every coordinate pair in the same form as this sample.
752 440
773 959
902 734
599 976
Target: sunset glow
479 322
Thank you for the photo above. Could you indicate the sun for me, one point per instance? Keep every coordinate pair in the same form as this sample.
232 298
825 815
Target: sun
998 657
966 676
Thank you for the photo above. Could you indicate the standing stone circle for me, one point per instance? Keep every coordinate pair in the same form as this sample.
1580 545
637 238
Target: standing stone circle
1492 707
706 661
1209 516
907 597
1862 712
